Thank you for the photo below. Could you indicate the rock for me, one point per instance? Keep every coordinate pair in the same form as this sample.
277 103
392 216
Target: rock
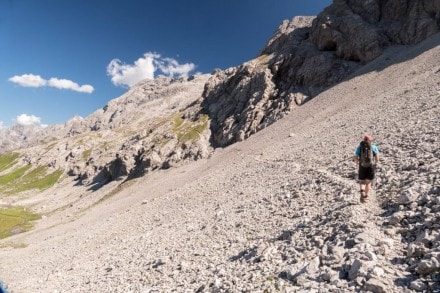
426 266
376 286
350 36
378 272
415 250
355 269
418 286
371 255
396 217
240 113
359 31
330 276
313 266
408 196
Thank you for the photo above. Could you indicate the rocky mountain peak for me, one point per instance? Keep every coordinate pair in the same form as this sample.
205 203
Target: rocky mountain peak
306 56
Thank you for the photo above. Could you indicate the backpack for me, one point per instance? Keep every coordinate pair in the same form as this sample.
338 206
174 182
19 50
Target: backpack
366 154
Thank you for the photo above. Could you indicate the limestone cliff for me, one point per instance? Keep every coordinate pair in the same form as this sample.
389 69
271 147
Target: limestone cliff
306 56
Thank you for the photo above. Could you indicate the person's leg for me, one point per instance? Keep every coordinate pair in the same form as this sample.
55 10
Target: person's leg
368 180
362 184
367 186
362 177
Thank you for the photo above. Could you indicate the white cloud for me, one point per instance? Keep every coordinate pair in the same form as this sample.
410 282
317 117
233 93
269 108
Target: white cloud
171 67
125 74
27 120
1 124
31 80
144 68
28 80
66 84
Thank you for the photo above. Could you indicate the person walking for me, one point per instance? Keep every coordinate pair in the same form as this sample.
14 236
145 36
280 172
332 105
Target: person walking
367 157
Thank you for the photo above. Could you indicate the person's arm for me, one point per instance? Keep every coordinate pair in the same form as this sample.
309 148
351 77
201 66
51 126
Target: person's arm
357 155
376 155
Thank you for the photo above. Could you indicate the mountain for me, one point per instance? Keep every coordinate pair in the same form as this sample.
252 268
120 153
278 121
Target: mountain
189 185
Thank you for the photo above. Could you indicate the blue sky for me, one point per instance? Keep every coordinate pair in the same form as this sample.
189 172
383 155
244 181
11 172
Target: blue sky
60 58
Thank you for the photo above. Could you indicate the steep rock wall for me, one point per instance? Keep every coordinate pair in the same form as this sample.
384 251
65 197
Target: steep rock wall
307 55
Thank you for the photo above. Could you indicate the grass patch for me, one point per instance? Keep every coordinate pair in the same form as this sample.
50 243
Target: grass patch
189 130
15 220
14 175
23 179
39 179
86 154
8 160
178 121
49 147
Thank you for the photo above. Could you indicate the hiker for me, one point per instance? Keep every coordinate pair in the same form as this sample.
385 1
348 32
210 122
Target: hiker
367 157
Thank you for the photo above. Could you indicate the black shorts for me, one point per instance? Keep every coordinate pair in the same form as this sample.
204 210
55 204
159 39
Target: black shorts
366 173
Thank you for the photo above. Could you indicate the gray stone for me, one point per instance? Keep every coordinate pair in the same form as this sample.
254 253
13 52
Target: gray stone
376 286
426 266
378 272
415 250
313 266
408 196
355 269
418 285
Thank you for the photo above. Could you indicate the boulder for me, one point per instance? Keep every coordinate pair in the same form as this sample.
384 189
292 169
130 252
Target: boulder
376 286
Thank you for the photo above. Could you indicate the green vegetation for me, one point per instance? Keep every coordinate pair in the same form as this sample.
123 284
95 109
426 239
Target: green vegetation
25 178
49 147
189 130
86 154
15 220
12 176
8 160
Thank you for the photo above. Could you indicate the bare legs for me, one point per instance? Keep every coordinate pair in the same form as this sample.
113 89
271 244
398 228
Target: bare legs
365 189
366 185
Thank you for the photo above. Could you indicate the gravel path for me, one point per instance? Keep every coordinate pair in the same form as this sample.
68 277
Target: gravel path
278 212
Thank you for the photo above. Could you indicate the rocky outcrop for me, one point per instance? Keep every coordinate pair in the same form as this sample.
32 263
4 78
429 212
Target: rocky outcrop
359 30
155 125
307 55
240 105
